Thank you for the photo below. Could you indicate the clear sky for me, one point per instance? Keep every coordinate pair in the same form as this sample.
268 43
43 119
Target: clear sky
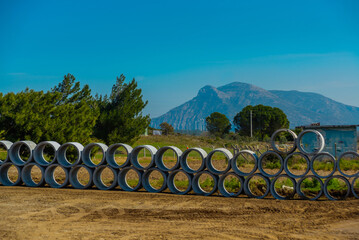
173 48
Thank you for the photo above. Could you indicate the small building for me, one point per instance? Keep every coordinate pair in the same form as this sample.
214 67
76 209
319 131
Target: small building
157 132
338 138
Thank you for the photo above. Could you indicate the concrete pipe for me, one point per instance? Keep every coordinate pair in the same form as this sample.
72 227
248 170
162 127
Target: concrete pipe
287 159
122 181
61 154
340 159
50 177
302 194
355 193
86 154
160 162
320 140
6 145
284 188
15 155
4 175
97 179
250 154
323 154
146 181
328 195
288 151
197 187
27 177
39 153
135 154
222 185
262 158
111 155
248 191
74 178
184 160
228 158
171 182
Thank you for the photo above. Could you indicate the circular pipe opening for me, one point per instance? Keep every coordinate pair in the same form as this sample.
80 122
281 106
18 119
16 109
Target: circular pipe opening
143 157
337 188
348 164
323 165
94 154
313 142
118 155
21 152
81 177
57 176
10 174
193 160
283 141
205 183
105 178
179 182
219 161
297 165
245 163
168 158
270 164
129 179
69 154
310 187
45 153
4 151
355 187
257 186
154 180
230 184
33 175
283 187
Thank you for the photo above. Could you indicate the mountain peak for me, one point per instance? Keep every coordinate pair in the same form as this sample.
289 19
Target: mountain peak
210 91
238 84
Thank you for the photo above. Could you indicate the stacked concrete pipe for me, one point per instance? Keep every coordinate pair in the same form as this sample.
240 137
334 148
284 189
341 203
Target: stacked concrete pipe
181 165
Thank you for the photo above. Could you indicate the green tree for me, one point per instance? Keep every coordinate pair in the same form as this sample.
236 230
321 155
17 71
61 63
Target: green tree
66 113
76 112
166 128
218 124
265 120
121 118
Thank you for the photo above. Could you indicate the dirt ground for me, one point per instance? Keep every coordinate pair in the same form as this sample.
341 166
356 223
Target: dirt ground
46 213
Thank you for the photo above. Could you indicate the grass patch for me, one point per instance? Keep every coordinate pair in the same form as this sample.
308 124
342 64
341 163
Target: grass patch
346 165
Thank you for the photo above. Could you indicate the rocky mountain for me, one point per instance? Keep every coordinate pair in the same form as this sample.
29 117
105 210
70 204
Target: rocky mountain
301 108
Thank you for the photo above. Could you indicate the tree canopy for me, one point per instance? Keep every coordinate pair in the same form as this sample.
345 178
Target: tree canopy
265 120
166 128
218 124
121 118
66 113
70 113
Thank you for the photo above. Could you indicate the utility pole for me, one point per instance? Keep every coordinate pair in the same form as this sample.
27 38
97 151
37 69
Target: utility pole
251 125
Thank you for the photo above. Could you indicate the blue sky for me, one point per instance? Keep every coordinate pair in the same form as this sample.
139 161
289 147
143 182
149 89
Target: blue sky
173 48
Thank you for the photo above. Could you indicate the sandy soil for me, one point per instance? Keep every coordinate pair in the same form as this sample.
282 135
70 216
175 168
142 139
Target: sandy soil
45 213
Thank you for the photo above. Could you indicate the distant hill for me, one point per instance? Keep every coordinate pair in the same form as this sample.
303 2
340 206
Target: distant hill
301 108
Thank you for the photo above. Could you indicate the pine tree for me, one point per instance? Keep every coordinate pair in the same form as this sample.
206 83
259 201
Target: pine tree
121 118
66 113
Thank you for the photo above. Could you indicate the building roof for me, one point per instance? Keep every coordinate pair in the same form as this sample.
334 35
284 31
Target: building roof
327 126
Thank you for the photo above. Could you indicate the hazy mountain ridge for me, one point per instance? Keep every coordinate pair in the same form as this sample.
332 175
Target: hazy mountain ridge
301 108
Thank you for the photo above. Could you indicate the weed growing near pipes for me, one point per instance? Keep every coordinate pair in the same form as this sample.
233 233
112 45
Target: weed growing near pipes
232 185
352 164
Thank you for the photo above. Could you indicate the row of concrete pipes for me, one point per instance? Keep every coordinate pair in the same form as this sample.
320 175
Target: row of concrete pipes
84 160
